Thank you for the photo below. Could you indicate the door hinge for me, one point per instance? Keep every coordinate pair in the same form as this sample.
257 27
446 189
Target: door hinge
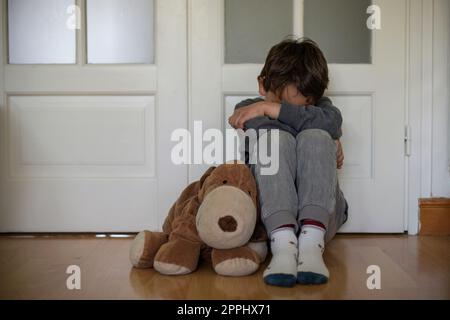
407 140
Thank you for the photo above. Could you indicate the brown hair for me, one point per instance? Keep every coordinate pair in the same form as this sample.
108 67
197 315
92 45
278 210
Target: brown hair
299 62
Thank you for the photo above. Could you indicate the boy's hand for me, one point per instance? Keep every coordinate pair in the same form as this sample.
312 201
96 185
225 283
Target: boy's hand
339 155
241 115
258 109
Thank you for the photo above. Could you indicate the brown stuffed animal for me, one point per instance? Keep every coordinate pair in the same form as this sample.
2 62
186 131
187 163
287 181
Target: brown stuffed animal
217 218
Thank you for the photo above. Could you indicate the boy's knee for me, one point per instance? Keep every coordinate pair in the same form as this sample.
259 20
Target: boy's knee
285 141
313 141
287 145
314 136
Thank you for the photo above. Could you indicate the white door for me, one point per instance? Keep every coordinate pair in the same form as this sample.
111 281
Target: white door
229 40
87 113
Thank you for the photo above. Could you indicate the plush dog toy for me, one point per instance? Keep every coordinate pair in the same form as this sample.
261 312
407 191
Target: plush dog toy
215 218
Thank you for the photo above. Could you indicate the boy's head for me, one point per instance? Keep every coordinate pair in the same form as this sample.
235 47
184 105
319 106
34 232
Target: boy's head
295 71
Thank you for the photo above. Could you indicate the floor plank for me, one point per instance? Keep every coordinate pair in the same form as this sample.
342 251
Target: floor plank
412 267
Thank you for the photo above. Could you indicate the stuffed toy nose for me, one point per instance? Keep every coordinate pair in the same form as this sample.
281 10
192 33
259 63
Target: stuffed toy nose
226 218
228 224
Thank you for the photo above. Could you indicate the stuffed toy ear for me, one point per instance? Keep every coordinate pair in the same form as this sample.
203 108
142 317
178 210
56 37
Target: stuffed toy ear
206 175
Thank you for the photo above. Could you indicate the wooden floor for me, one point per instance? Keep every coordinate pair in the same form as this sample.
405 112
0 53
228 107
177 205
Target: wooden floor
35 268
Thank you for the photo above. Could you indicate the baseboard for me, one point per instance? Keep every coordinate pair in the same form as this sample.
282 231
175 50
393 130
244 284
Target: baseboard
434 216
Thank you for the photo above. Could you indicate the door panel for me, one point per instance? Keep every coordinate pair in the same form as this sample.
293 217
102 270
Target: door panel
357 111
81 136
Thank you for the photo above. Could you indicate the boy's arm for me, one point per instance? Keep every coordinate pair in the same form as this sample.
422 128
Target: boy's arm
247 102
315 117
253 123
324 116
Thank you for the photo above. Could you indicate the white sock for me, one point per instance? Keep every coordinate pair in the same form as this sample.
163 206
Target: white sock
282 270
311 267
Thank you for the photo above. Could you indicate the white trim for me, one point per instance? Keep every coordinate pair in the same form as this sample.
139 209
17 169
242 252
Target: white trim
414 93
440 180
427 97
170 56
297 19
407 126
205 60
3 122
80 46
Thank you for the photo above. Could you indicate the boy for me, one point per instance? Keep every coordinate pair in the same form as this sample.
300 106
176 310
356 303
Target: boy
304 194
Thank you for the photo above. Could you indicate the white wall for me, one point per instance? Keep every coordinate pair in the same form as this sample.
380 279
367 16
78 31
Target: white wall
440 167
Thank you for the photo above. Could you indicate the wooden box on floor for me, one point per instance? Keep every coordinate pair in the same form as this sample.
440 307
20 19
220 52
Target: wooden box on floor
434 216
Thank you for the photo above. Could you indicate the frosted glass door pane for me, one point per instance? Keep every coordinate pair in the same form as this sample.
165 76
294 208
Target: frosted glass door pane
120 31
252 27
339 27
39 32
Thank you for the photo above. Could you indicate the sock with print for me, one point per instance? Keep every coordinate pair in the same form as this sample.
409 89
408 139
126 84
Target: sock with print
311 267
282 270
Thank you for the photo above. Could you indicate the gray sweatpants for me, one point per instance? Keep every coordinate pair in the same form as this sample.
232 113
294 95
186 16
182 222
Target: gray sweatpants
306 184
